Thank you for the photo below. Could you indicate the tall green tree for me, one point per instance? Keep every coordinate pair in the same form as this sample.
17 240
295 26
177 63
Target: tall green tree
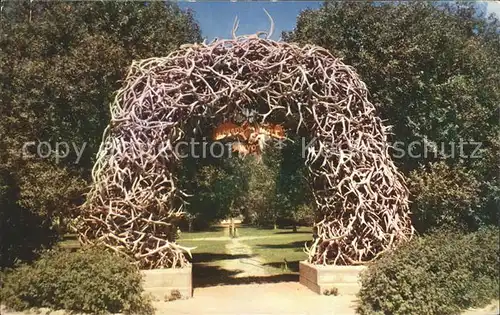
294 199
218 187
433 71
60 64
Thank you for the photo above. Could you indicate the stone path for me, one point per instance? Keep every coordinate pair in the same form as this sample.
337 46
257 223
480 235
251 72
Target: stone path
247 267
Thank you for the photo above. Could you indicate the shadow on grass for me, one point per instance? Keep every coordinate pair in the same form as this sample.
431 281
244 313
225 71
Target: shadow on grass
209 257
292 265
258 228
292 232
298 245
213 228
209 276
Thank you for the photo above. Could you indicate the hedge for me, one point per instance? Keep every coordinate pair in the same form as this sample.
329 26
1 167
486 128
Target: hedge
441 273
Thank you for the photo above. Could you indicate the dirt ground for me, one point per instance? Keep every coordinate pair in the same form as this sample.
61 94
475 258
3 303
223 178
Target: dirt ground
284 298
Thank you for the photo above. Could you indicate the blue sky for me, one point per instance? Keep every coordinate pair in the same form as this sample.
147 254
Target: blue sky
494 7
216 18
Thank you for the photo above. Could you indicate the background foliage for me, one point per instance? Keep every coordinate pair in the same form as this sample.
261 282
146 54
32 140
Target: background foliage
434 72
267 191
60 65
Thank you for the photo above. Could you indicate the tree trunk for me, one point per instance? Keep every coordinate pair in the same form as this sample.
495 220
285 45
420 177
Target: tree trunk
231 229
190 226
62 226
294 228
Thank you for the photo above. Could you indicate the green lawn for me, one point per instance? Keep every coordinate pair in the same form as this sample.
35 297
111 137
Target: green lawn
271 246
214 232
213 247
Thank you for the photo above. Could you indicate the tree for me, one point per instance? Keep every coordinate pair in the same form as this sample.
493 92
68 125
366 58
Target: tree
217 186
260 202
234 186
434 73
294 197
60 65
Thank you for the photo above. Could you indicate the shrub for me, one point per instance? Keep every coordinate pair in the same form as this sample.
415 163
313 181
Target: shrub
444 196
90 280
442 273
174 295
333 291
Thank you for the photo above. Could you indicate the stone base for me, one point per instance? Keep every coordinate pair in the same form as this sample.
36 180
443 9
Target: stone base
161 282
319 278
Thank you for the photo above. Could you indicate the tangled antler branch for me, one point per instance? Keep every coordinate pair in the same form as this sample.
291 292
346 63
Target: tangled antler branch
361 198
268 34
271 30
235 27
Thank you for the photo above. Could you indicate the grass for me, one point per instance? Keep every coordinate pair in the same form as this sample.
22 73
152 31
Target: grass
202 247
271 246
243 231
214 232
253 231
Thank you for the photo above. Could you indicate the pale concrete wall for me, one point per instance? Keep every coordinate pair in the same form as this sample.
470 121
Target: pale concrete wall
160 282
319 278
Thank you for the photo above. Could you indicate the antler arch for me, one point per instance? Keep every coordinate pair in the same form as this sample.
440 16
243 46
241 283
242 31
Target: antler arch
361 198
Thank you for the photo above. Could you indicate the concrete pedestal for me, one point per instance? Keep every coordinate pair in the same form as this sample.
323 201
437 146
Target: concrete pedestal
161 282
319 278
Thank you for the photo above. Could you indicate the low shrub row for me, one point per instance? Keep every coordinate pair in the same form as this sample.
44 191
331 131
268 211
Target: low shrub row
442 273
89 281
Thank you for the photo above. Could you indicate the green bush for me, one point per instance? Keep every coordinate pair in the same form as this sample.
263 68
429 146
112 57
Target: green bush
444 196
90 281
442 273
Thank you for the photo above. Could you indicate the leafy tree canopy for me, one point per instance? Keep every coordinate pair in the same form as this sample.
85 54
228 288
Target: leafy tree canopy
434 72
60 65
